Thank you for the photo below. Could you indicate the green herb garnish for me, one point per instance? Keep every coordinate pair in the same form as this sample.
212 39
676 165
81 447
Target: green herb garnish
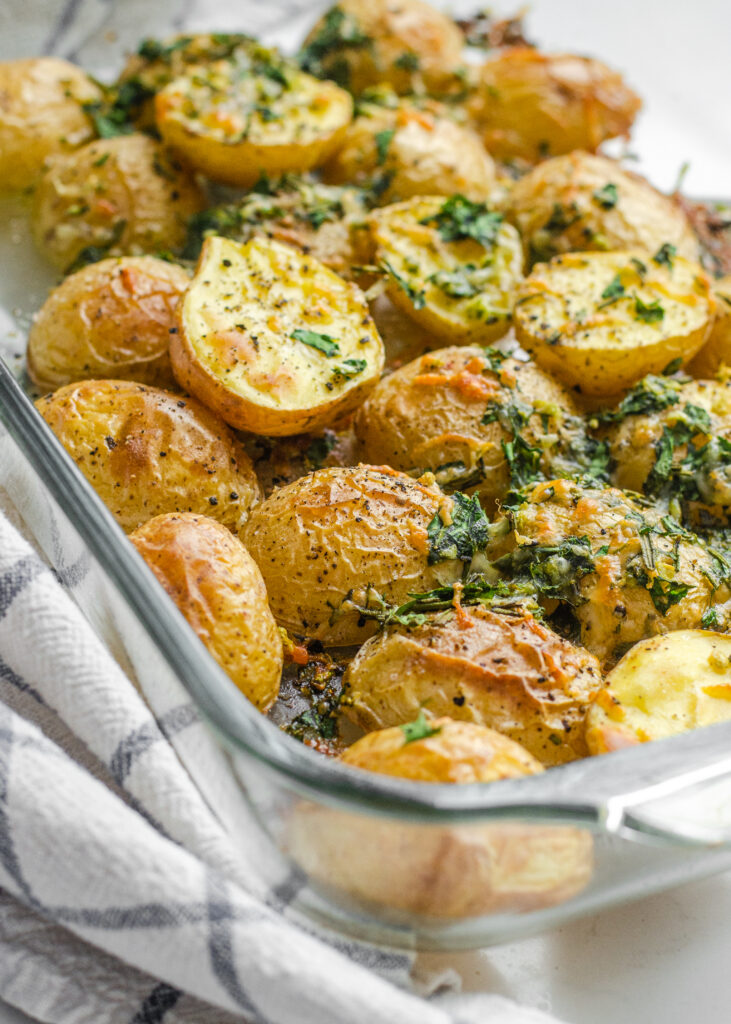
665 255
383 141
467 534
416 295
419 729
652 313
607 196
348 369
460 218
322 342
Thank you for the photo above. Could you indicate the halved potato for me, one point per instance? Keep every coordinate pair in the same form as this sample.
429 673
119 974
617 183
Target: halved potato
345 538
411 151
250 115
272 339
456 410
452 265
508 672
436 870
601 321
716 352
621 571
41 114
218 588
662 687
581 201
110 319
406 43
114 197
146 452
530 105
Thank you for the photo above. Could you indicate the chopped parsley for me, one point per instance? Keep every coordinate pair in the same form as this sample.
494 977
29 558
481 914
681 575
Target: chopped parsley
651 313
322 342
348 369
338 31
651 394
554 570
665 255
607 196
407 61
709 619
467 534
419 729
666 593
460 218
115 114
319 449
416 295
614 290
383 141
456 283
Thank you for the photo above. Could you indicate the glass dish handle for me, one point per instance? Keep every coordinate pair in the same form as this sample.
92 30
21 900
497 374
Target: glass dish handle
693 808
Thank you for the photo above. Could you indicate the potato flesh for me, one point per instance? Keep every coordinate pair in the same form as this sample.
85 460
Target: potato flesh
219 590
566 317
506 672
354 531
416 252
238 348
564 205
110 319
146 451
663 687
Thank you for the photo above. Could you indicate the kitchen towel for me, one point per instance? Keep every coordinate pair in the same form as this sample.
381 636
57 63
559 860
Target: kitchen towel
123 897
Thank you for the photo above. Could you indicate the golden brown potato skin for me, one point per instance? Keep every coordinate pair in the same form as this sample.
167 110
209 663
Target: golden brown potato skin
146 452
217 586
110 319
41 114
337 532
632 442
508 672
440 871
716 352
427 154
126 195
429 414
409 42
530 105
615 608
559 207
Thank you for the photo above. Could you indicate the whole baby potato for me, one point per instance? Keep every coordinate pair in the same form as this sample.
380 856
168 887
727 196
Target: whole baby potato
41 113
113 197
407 151
218 588
582 201
530 105
716 352
341 538
147 452
602 320
624 572
110 319
507 672
451 872
406 43
452 411
662 687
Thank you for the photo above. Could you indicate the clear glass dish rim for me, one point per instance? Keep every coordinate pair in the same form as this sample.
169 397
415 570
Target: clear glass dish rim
552 796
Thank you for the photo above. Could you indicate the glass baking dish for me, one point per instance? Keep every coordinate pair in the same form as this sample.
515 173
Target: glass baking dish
391 861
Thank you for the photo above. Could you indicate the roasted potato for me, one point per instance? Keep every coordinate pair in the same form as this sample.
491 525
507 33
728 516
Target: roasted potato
147 452
452 265
41 114
508 672
409 151
716 352
251 114
530 105
217 586
670 437
662 687
622 572
406 43
441 871
324 221
110 319
457 411
403 339
601 321
342 540
272 340
114 197
580 202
